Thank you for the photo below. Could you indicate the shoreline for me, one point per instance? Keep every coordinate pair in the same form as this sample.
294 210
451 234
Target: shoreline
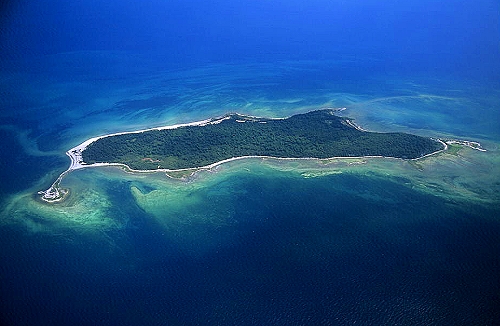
56 194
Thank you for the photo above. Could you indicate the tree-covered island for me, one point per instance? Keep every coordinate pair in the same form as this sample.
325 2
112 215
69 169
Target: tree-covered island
316 134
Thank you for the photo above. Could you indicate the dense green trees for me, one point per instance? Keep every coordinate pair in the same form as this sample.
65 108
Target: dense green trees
316 134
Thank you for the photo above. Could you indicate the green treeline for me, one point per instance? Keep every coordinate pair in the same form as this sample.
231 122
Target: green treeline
317 134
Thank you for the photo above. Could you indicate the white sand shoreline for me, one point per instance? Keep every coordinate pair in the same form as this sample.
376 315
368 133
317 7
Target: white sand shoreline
55 193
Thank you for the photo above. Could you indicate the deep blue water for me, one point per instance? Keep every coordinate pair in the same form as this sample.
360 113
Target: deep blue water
302 252
427 34
259 246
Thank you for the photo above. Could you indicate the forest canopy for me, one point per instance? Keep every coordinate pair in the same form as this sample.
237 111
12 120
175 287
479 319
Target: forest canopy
316 134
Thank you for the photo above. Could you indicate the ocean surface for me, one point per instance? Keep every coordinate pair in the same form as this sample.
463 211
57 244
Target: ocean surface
256 241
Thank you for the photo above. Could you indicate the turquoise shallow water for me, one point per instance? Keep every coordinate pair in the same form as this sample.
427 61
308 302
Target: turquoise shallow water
256 241
261 247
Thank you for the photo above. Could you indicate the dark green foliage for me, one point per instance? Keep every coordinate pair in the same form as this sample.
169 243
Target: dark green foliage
317 134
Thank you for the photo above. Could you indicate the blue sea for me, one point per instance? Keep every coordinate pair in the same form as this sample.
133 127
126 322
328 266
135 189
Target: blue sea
360 241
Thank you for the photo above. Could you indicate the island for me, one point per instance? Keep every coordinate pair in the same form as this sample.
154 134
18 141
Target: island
316 134
319 134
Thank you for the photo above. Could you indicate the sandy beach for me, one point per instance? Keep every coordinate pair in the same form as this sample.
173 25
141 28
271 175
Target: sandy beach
55 193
